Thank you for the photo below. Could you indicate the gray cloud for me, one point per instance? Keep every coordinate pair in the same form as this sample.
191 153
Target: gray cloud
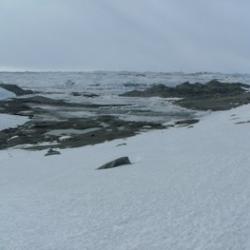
157 35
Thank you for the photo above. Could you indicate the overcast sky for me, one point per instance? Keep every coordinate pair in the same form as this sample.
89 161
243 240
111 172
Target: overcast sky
155 35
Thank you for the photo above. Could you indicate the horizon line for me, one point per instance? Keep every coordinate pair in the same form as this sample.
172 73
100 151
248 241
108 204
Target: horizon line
114 71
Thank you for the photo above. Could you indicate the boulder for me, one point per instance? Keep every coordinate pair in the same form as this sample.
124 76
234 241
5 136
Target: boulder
116 163
52 152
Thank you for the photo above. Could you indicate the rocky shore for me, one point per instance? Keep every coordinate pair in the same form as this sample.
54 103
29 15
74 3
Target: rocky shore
52 124
214 95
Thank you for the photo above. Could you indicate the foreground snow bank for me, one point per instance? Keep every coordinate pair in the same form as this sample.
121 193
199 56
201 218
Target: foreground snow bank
188 188
11 121
4 94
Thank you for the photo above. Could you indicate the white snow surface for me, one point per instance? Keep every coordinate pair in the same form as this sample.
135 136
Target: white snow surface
4 94
188 188
11 121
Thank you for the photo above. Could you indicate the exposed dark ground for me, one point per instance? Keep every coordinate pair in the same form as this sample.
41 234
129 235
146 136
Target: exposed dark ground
49 129
213 95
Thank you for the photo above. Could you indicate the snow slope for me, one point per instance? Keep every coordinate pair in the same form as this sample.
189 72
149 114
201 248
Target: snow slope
4 94
188 188
11 121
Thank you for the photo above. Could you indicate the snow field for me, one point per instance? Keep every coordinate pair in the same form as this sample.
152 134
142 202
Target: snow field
188 188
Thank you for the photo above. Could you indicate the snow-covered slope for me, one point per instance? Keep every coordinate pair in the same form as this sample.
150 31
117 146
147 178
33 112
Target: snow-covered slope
188 188
4 94
11 121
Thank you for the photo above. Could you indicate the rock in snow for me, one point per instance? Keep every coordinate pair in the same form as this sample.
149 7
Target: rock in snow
52 152
116 163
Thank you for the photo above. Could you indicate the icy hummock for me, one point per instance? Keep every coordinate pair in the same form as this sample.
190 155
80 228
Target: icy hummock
187 188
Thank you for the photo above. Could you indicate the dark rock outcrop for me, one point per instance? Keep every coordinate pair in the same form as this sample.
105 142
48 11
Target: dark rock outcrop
116 163
16 89
80 131
89 95
187 122
215 103
213 95
212 88
37 99
52 152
